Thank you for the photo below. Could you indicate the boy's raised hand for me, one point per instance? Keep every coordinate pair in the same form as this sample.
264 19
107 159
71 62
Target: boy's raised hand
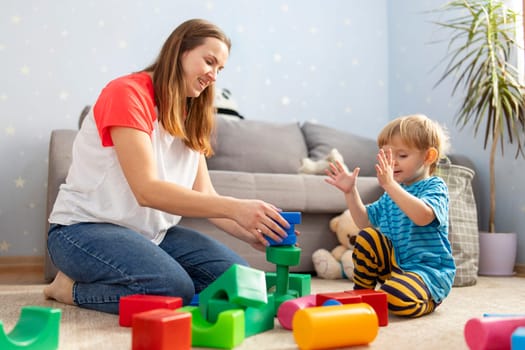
385 167
340 178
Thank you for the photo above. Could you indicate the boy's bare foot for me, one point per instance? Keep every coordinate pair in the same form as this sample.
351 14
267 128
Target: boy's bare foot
61 289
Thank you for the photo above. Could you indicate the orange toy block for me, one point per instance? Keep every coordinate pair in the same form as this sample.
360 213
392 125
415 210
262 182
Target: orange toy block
328 327
133 304
377 300
161 329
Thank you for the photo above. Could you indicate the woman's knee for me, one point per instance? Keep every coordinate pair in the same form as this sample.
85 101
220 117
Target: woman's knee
172 283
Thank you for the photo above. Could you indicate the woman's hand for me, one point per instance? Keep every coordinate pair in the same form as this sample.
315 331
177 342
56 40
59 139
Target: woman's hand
340 178
261 219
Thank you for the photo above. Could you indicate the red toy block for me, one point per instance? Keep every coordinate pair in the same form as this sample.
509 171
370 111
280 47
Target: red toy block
377 300
342 297
161 329
132 304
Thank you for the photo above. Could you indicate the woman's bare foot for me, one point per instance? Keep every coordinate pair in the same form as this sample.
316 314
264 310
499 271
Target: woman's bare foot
61 289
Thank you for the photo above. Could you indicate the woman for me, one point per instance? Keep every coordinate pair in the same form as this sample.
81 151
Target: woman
138 166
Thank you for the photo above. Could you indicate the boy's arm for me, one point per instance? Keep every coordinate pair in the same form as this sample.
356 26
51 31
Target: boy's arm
347 183
417 210
357 208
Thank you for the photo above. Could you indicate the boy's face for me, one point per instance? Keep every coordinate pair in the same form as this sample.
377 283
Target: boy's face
408 162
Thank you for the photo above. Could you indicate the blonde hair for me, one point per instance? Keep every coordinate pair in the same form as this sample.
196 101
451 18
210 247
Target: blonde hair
191 119
417 131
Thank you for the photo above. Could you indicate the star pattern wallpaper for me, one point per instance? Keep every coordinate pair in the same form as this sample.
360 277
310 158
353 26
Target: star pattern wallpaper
348 64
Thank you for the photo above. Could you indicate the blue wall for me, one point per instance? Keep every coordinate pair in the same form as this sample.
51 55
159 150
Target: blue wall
349 64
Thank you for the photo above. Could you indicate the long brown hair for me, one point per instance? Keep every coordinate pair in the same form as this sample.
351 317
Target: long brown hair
195 130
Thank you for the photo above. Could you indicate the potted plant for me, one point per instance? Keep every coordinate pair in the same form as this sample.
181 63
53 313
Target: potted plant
479 56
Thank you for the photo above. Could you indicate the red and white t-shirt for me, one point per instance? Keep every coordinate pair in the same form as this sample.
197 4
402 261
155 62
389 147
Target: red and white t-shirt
96 189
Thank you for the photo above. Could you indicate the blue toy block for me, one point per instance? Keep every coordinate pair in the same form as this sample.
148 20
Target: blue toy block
293 218
332 302
195 300
36 329
518 339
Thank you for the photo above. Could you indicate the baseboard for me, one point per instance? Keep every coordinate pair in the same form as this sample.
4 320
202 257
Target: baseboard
21 264
520 270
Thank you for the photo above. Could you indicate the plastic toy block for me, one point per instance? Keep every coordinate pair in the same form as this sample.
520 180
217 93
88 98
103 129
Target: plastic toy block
332 302
36 329
161 329
226 333
287 310
195 300
290 239
240 285
483 333
258 319
503 315
283 255
342 297
132 304
377 299
324 327
299 282
517 341
292 218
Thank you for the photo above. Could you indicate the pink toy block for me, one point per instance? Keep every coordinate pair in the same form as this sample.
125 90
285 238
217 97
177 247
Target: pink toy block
287 310
161 329
375 298
491 333
132 304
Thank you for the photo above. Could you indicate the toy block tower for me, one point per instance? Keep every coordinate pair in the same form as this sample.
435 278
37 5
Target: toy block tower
285 254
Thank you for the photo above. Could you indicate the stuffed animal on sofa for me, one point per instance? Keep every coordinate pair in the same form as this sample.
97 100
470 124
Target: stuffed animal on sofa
225 105
318 167
338 264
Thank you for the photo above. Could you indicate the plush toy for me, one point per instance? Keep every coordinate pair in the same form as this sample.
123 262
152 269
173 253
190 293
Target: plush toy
318 167
338 264
226 105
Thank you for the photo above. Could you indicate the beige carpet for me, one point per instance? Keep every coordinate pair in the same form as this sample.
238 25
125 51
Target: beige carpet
84 329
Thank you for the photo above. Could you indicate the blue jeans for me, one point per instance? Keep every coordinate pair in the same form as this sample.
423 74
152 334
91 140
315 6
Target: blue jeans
107 261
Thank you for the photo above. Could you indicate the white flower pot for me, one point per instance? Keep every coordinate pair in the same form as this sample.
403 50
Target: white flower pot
497 253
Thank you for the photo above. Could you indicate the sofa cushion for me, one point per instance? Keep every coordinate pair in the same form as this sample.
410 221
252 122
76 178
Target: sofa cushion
302 192
257 146
357 151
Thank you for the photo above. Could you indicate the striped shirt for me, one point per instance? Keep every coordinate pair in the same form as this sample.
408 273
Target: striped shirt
424 250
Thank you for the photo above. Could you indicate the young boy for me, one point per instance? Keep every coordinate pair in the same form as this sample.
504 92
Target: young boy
404 242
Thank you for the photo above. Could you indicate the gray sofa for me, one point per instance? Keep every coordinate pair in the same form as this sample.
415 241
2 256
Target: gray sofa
256 159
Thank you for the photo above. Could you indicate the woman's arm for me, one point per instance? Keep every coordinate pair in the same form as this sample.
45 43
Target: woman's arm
255 238
135 155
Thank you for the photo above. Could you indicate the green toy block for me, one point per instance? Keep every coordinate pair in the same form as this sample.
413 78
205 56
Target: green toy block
226 333
36 329
283 255
240 285
258 319
299 282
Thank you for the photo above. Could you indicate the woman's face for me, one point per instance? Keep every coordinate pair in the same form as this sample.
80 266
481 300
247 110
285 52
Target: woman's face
202 64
